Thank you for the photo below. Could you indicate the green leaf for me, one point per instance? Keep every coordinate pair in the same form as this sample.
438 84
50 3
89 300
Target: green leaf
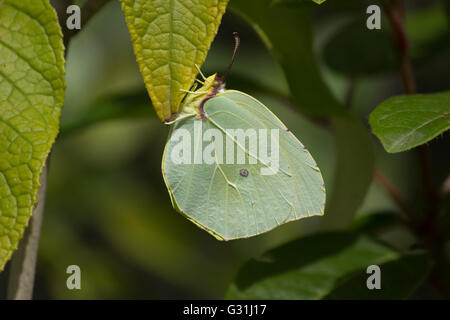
232 198
317 266
377 222
405 122
170 37
31 97
399 279
345 48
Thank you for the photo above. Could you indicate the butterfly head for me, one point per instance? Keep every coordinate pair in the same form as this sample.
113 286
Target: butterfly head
195 100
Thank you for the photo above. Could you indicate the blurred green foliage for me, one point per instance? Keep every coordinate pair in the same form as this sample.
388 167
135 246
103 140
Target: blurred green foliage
372 51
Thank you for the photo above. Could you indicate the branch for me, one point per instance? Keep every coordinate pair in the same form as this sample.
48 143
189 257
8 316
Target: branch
396 12
392 191
23 263
350 94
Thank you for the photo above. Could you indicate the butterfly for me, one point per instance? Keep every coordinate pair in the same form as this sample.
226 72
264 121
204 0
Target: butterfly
233 168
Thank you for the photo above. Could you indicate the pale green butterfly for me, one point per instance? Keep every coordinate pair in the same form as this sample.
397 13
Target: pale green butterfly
231 188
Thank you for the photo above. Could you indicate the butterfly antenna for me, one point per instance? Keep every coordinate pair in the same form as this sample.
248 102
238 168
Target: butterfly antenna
237 42
200 72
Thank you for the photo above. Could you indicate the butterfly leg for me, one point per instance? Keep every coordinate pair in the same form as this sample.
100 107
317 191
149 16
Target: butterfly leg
194 92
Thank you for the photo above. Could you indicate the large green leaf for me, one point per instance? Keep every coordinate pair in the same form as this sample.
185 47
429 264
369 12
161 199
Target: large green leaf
405 122
345 49
170 37
325 266
234 196
399 279
31 96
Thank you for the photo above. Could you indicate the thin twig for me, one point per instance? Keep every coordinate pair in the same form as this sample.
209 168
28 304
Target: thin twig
393 192
23 263
395 13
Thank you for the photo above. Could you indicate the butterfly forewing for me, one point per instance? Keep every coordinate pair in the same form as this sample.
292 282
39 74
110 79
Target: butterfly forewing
239 172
